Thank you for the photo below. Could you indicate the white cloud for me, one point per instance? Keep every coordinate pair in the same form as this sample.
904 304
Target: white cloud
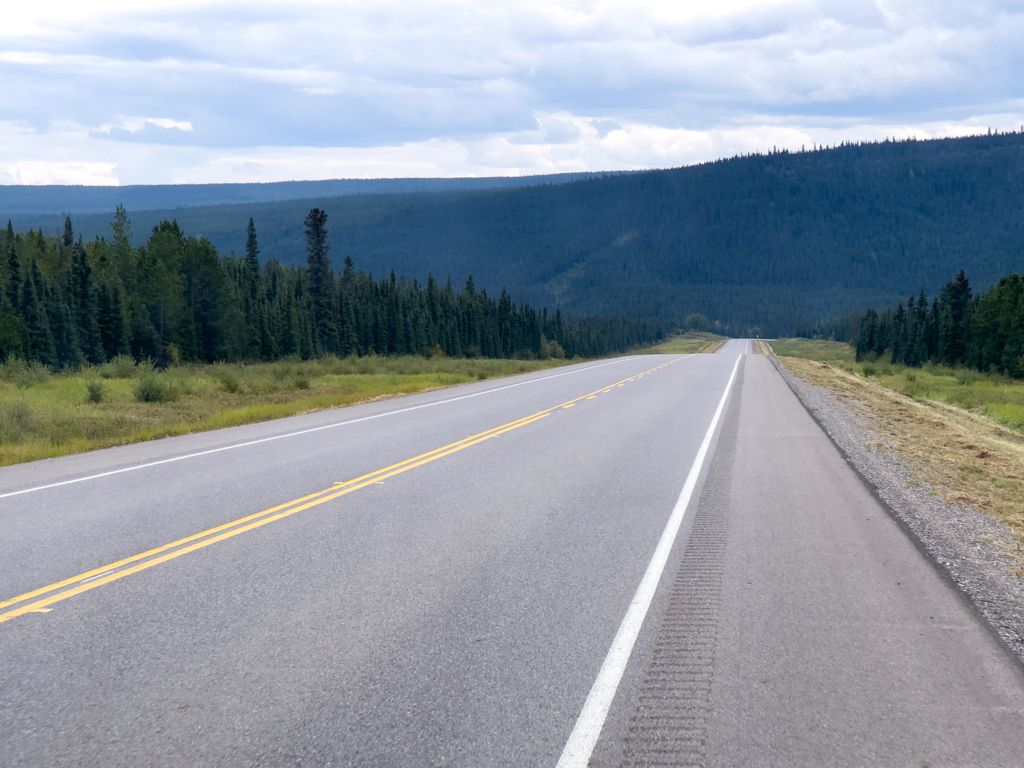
265 90
58 172
136 124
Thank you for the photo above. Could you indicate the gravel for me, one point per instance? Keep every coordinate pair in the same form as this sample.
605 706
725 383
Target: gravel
967 546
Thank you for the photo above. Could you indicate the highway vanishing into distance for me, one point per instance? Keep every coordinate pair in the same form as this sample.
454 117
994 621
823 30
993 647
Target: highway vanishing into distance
648 560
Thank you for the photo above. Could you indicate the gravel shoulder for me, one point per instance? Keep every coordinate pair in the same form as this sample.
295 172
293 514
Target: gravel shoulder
977 552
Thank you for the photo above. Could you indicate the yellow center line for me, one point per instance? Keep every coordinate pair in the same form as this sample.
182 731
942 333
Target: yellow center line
242 520
105 574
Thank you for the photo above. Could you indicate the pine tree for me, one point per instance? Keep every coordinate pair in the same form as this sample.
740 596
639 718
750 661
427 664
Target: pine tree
1014 353
38 336
123 256
13 276
110 320
919 353
868 337
252 259
252 303
320 283
348 338
954 311
12 330
83 305
67 350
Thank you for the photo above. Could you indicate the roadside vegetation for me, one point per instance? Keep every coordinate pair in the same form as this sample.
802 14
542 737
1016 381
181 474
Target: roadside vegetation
814 349
686 343
959 430
992 395
119 402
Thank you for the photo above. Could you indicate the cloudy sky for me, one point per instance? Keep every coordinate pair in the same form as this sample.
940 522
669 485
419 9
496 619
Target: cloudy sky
130 92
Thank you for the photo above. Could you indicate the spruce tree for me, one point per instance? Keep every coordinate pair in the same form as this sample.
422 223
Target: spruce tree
83 305
13 276
1015 344
252 305
66 347
252 259
122 254
320 283
110 321
12 330
919 355
955 303
348 338
38 336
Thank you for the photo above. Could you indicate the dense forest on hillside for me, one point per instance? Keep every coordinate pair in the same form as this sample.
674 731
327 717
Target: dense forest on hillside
762 243
65 302
19 199
958 328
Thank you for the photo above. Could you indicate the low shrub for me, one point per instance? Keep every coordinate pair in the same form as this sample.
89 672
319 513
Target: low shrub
95 392
151 388
228 378
15 420
120 367
24 374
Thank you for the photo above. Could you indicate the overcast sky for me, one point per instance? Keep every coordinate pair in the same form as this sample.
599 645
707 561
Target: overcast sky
106 92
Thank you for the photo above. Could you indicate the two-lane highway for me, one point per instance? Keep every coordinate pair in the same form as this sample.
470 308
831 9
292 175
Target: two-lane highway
610 556
456 612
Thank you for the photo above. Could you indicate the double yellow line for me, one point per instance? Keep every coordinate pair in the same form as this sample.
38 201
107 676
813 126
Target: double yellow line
83 582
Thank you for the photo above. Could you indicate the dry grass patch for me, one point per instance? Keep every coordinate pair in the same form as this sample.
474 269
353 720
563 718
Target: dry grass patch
687 343
814 349
965 457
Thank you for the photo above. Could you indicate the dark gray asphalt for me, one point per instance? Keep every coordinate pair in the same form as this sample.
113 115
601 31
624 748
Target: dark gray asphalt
457 614
803 628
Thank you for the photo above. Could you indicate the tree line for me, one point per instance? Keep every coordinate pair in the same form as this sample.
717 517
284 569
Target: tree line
173 299
983 331
762 241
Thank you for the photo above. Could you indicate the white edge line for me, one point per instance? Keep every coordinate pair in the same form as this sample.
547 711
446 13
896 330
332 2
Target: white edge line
299 432
585 733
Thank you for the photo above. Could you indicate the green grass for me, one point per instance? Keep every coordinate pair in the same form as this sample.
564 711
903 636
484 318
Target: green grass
997 397
814 349
44 415
993 395
687 343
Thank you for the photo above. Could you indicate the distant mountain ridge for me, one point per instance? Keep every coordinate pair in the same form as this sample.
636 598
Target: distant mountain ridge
761 243
18 200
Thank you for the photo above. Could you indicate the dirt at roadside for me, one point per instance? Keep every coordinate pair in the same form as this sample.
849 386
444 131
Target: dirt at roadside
954 479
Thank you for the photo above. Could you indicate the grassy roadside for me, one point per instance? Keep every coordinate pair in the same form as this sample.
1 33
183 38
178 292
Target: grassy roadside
814 349
687 343
956 430
43 415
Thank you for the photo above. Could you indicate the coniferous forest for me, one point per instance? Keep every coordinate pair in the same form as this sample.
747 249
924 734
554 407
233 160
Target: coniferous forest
762 243
984 331
174 299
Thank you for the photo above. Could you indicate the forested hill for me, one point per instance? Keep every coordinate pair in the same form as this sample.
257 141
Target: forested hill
26 200
758 242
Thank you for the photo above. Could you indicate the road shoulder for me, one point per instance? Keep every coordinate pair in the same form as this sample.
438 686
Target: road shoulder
973 550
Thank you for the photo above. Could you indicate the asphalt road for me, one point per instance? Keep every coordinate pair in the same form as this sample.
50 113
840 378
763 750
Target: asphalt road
456 609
